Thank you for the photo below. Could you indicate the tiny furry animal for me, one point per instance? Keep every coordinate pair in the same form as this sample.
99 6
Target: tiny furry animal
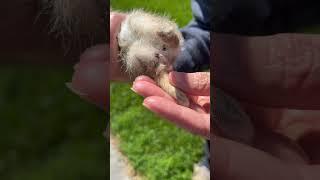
148 46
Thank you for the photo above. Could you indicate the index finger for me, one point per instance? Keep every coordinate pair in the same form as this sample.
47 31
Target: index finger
197 123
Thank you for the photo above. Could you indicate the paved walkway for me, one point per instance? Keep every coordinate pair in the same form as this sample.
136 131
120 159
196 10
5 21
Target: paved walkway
120 169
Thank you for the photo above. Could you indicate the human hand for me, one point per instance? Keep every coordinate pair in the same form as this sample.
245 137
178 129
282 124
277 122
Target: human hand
195 119
284 109
93 72
285 146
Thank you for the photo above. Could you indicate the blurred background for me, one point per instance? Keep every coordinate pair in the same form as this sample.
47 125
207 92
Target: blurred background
46 132
155 148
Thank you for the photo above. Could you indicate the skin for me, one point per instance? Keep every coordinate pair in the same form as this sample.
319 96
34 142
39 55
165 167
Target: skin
195 119
291 117
290 75
116 73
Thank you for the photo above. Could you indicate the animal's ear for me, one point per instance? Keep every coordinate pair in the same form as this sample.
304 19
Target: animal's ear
169 37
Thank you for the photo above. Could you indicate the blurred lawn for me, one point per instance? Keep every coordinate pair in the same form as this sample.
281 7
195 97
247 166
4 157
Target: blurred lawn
178 10
48 133
155 148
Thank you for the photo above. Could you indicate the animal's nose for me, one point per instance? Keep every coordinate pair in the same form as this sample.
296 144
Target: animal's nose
158 55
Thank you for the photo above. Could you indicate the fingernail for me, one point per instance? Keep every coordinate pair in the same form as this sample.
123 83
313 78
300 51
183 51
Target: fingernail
132 88
146 105
70 87
148 102
135 89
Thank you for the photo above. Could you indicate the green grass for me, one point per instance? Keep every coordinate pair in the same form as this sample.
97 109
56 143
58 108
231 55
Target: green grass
47 132
155 148
178 10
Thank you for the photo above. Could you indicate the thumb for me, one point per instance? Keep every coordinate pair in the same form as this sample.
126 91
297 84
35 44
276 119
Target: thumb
192 83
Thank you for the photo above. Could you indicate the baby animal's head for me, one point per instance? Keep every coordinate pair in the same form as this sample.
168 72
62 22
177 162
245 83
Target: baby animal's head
148 42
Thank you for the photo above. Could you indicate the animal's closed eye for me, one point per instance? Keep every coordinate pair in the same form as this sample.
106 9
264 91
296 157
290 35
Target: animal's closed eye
164 48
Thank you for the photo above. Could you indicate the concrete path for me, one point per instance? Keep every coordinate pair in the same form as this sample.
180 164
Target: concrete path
118 169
